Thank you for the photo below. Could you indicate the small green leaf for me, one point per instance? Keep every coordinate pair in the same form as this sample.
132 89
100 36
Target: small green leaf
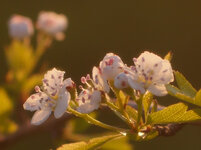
118 144
74 146
6 104
20 57
146 102
132 113
90 145
168 56
154 107
198 98
184 85
172 90
168 115
123 97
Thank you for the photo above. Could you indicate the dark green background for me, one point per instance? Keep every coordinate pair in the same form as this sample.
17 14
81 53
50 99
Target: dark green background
125 27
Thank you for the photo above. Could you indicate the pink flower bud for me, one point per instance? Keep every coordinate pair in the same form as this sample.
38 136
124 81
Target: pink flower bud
52 23
20 27
111 65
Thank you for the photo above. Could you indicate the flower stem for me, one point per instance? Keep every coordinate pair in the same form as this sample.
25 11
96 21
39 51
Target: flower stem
139 106
121 114
91 120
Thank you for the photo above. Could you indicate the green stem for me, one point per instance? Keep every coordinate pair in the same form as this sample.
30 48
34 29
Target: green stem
96 122
139 106
121 114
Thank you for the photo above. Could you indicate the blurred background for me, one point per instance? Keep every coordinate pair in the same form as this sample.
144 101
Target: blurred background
126 28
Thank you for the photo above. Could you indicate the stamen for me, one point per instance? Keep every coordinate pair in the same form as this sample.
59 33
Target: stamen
83 80
37 89
109 62
135 59
88 77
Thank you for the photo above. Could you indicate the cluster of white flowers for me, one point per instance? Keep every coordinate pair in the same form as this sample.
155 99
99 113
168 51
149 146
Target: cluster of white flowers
149 73
50 23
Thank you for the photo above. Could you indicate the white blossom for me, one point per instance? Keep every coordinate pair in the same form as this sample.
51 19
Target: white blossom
54 97
88 101
20 27
99 80
52 23
111 65
121 81
151 73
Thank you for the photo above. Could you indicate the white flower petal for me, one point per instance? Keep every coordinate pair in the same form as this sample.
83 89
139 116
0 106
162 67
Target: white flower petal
96 97
68 82
20 27
40 116
165 75
148 63
89 101
158 90
62 104
87 108
135 84
53 80
111 65
100 81
52 23
121 81
34 102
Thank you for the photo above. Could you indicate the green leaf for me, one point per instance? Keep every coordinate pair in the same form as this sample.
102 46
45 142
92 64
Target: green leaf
6 104
20 58
123 97
168 56
184 85
172 90
176 113
146 102
74 146
154 107
145 137
168 115
191 115
198 98
90 145
117 144
132 113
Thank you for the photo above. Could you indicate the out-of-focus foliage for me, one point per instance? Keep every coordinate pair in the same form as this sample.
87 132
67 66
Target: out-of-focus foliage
90 145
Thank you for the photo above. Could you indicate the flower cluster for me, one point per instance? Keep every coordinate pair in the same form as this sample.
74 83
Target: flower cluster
149 73
50 23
